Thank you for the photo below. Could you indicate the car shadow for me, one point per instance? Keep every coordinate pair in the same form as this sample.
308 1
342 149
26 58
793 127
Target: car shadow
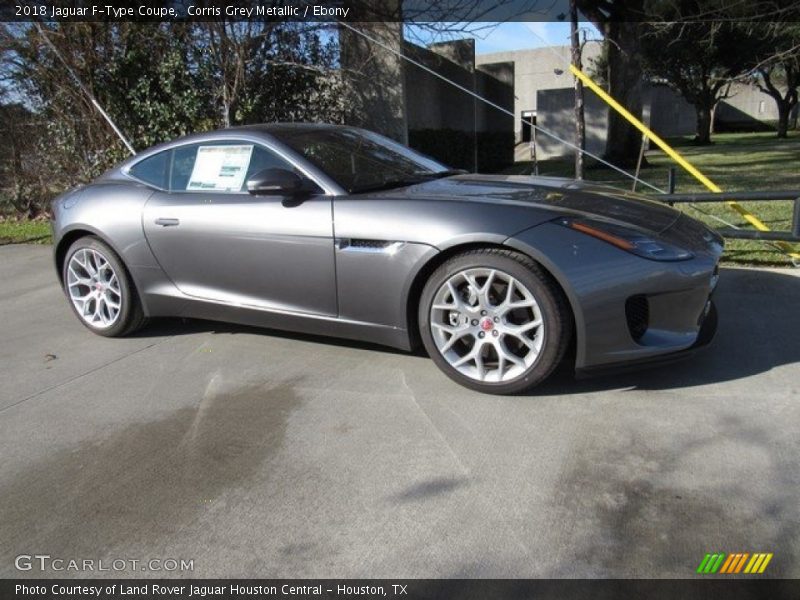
759 330
169 326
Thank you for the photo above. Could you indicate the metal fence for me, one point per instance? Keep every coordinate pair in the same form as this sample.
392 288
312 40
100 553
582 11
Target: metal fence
746 234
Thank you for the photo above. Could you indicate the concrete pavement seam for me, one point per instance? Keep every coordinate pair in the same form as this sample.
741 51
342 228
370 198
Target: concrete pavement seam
76 377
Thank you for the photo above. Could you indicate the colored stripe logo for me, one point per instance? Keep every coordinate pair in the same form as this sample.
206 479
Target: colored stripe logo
734 563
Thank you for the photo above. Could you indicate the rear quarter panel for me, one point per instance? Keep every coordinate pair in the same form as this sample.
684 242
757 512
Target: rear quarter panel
113 212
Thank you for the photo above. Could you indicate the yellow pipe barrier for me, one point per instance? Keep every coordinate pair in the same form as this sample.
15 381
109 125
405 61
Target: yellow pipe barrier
672 153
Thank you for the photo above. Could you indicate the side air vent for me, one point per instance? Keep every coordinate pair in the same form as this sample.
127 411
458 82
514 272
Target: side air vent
377 244
637 313
370 246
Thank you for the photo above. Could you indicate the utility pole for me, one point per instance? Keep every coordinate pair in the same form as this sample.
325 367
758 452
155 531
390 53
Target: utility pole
580 122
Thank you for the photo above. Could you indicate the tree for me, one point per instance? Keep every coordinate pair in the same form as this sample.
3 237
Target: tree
620 22
699 60
150 100
580 121
292 76
786 75
154 101
157 80
19 171
778 75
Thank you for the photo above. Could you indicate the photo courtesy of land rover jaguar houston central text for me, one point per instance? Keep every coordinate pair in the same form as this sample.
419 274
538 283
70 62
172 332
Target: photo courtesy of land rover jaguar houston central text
338 231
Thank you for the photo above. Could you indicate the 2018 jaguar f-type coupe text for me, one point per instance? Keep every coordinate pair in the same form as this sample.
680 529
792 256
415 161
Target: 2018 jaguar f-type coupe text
338 231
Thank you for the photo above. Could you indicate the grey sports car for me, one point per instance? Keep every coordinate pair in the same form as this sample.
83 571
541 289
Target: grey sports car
339 231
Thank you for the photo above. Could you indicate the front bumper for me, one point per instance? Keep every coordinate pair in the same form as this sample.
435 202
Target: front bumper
708 329
600 281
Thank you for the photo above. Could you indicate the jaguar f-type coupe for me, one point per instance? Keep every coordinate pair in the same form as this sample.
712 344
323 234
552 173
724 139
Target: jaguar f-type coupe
338 231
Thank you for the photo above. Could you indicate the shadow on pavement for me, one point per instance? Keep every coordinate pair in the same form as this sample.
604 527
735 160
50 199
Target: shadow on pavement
638 504
759 324
164 327
759 329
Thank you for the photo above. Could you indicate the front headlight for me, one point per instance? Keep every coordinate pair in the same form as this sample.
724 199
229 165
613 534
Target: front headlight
628 239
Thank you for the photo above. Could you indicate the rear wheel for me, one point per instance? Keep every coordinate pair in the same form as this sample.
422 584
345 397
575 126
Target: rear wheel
100 290
494 321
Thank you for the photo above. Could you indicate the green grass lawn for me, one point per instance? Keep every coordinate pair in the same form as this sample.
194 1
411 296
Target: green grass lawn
735 162
21 232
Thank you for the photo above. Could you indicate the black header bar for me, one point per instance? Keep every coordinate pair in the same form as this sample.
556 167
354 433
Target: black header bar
409 11
730 588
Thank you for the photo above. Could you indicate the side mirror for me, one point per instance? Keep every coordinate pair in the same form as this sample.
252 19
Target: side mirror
277 182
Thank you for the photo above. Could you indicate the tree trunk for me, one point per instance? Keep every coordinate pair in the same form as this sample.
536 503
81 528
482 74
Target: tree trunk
712 119
783 118
580 121
703 135
226 115
625 86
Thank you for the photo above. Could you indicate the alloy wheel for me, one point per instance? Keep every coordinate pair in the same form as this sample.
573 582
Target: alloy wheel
487 325
94 288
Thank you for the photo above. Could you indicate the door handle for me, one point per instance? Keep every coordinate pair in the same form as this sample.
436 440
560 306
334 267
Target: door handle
164 222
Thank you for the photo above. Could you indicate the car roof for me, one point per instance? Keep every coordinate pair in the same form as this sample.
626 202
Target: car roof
284 127
257 130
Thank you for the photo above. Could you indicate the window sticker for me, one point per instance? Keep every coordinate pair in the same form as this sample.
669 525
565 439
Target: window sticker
220 168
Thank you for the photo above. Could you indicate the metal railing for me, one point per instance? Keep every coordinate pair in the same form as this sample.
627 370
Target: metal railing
746 234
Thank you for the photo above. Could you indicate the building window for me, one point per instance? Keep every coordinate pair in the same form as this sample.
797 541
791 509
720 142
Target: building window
761 107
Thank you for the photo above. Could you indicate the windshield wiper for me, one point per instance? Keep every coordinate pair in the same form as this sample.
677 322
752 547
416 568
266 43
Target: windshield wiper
388 184
440 174
411 179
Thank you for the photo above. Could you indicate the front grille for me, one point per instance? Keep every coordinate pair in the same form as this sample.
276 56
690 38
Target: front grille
637 313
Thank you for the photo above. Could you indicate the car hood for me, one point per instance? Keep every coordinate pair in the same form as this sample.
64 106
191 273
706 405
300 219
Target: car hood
563 196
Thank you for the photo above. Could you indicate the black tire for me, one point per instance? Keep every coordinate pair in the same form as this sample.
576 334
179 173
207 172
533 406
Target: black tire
131 315
554 308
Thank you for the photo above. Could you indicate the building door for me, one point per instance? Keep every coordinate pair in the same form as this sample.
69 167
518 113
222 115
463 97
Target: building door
528 117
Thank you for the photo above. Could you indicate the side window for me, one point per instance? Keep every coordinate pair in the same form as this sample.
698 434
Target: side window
181 169
153 170
219 166
265 159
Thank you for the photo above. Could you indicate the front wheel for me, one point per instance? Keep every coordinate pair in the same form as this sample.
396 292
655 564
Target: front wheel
100 290
494 321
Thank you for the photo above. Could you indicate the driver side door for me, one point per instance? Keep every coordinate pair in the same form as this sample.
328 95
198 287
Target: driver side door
217 242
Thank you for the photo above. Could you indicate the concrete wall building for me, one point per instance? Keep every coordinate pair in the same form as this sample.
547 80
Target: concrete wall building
544 93
535 70
450 124
555 112
748 109
394 97
401 100
374 94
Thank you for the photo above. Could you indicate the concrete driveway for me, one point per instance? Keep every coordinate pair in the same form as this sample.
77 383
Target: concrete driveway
261 454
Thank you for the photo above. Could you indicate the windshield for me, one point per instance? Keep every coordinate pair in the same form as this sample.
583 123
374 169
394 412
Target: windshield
360 160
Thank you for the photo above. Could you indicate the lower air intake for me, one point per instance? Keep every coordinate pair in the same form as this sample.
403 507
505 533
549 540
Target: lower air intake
637 313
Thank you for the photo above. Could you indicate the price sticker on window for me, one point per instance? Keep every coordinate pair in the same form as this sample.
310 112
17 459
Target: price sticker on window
220 168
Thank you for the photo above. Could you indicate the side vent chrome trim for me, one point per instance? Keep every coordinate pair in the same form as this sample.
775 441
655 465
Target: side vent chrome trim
387 247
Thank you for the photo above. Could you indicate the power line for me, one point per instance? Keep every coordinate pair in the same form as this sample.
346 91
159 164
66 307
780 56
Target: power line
85 90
